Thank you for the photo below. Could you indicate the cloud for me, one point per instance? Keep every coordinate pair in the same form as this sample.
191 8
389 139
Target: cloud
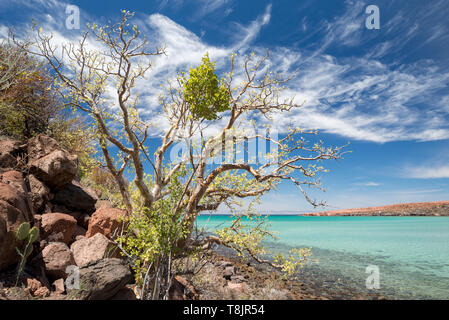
417 191
251 31
202 7
427 172
361 98
347 28
367 184
365 99
208 6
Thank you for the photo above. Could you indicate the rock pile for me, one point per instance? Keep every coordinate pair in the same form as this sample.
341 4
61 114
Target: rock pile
39 185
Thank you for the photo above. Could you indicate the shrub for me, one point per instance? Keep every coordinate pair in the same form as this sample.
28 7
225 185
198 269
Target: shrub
28 102
204 93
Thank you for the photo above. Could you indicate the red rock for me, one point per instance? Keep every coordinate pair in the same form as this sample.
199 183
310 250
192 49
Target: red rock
92 249
9 150
40 146
33 285
15 208
59 286
57 257
57 227
56 169
10 219
39 193
106 221
42 292
14 191
49 163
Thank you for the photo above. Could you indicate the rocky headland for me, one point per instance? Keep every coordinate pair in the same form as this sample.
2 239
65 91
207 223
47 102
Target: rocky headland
438 208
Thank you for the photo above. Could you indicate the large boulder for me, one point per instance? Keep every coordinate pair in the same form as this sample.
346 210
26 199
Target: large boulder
102 279
40 146
76 197
50 163
57 227
57 257
14 191
39 193
107 221
56 169
88 250
15 208
9 152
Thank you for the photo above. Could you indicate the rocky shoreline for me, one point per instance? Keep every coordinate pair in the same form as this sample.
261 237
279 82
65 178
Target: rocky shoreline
226 276
437 208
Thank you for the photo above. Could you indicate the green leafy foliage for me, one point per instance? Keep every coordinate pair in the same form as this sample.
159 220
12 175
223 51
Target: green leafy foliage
152 234
204 92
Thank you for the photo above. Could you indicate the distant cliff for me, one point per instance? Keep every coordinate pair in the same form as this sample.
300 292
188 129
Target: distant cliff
439 208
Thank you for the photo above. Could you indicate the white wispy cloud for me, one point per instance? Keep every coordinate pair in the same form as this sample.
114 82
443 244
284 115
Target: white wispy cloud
360 98
247 34
427 172
208 6
202 7
368 184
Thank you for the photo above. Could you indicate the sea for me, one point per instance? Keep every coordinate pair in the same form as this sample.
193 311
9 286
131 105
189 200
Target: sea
395 257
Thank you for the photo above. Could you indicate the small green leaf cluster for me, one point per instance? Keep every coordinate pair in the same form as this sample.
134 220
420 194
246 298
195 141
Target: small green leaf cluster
294 261
247 234
204 93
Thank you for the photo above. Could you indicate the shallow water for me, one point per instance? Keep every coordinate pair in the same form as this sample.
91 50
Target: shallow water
412 253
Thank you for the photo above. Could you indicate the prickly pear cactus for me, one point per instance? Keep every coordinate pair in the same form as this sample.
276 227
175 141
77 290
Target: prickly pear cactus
33 234
23 231
28 236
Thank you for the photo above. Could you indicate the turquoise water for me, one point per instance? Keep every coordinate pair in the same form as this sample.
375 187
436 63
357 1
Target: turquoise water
412 253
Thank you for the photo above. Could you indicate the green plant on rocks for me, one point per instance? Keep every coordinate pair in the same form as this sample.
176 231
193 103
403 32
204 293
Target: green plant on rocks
26 235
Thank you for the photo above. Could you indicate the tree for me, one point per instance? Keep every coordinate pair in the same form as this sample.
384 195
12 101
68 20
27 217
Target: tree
191 105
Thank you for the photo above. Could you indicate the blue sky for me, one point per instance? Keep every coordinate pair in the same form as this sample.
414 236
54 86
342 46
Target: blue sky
386 91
